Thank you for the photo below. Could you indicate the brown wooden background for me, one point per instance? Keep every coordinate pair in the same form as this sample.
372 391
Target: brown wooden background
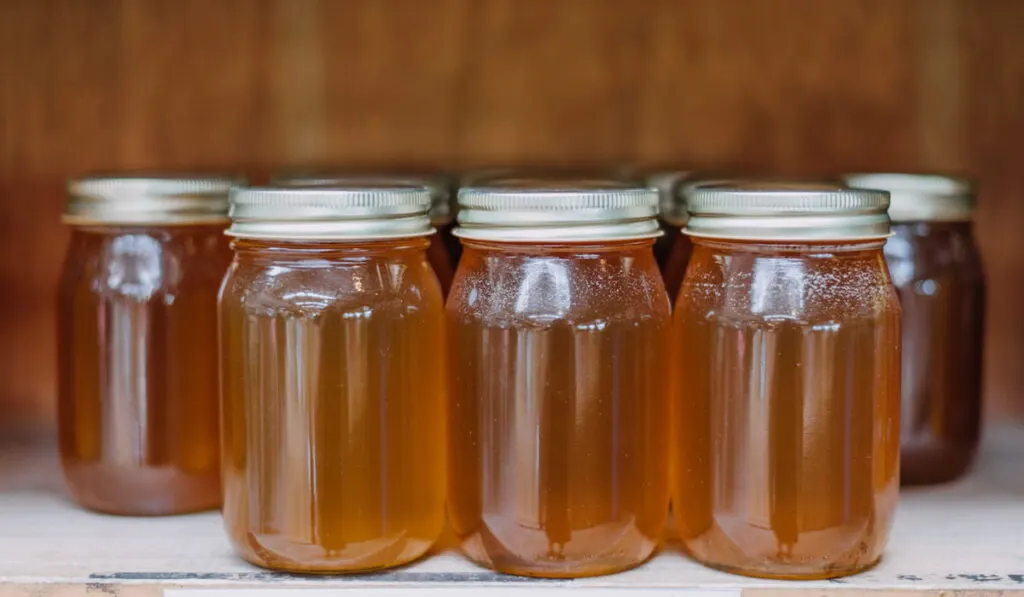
789 86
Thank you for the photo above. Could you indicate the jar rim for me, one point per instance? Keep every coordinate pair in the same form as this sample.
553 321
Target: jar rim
353 212
557 211
773 210
441 212
141 199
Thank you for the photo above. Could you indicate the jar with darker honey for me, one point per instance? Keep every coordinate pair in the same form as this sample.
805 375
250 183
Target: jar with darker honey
558 324
786 426
138 409
937 270
332 378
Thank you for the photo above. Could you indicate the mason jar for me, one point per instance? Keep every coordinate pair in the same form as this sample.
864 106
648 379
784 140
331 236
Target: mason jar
787 334
137 318
332 378
558 325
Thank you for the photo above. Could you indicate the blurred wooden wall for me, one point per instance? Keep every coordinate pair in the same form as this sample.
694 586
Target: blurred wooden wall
789 86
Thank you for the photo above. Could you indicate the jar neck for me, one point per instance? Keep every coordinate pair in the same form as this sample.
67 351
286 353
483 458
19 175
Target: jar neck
562 248
321 250
789 247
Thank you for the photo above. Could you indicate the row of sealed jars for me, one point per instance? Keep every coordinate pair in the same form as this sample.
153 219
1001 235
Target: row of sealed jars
547 405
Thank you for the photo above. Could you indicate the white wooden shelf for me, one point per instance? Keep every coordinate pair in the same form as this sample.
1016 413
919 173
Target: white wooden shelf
966 537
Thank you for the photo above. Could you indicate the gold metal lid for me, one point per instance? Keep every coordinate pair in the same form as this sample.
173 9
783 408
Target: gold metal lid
148 199
526 210
441 212
353 212
779 211
921 197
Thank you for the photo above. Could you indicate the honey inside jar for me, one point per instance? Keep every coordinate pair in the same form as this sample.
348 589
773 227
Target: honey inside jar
333 398
788 445
558 465
137 312
938 274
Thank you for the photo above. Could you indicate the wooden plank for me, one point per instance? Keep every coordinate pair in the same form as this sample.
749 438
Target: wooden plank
786 86
994 123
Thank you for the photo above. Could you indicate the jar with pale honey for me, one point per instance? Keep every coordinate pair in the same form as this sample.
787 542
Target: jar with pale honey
558 324
332 378
441 213
137 317
787 350
937 269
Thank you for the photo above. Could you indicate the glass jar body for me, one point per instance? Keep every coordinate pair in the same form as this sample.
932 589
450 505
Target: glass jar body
786 439
332 389
138 409
937 271
559 408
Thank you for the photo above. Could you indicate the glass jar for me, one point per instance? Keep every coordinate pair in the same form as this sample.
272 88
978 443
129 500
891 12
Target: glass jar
138 410
938 272
558 321
442 216
786 439
332 373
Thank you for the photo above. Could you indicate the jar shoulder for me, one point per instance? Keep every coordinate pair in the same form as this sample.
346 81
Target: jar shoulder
811 288
394 286
547 289
144 265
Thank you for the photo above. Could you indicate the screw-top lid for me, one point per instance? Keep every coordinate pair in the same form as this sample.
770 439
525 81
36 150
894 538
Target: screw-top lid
778 211
356 212
148 199
525 210
441 212
921 197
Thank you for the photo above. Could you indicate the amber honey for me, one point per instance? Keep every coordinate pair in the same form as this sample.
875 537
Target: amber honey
559 407
138 367
333 395
787 430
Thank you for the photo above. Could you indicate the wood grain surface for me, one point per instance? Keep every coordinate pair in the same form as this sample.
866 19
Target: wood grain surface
783 86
